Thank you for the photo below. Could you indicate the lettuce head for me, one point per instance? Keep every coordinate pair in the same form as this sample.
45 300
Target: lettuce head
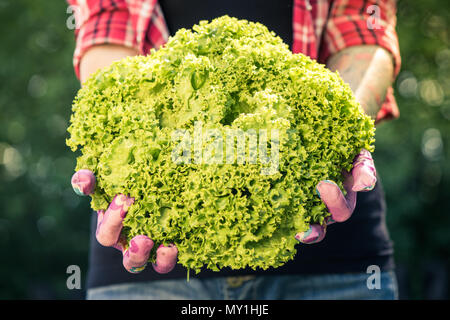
155 127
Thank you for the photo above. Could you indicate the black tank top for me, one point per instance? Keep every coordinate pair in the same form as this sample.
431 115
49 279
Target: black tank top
275 15
351 246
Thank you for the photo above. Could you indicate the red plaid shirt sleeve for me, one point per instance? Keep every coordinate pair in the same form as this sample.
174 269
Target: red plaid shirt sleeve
364 22
361 22
137 24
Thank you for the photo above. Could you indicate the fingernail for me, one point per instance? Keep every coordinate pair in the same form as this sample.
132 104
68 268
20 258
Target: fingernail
137 269
368 188
306 236
77 190
314 234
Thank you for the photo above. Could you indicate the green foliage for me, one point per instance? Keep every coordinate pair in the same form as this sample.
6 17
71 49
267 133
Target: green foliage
227 74
43 225
412 153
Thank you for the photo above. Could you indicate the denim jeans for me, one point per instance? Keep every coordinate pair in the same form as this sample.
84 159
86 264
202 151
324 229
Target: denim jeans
281 287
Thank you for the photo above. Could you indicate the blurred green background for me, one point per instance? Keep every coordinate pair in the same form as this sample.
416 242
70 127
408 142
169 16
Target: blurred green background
44 226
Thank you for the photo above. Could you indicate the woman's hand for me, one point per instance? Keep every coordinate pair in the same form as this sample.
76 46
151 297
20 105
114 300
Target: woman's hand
109 227
362 177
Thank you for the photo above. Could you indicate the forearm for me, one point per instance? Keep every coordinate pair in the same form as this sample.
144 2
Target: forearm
369 71
101 56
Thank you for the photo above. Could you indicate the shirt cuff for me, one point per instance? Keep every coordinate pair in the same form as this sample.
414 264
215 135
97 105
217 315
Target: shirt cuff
389 110
104 27
349 27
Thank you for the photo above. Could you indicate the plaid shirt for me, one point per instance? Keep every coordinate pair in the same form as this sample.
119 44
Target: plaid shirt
321 28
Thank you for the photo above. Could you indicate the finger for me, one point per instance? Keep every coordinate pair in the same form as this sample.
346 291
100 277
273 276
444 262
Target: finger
314 234
166 258
122 243
108 229
135 257
341 207
83 182
364 172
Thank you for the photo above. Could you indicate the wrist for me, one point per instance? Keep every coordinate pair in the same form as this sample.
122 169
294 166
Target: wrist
100 56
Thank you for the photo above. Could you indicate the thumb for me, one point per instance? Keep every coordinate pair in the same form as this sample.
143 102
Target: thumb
83 182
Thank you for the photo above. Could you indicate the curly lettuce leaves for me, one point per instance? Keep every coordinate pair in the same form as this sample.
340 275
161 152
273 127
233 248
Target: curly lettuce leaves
225 77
